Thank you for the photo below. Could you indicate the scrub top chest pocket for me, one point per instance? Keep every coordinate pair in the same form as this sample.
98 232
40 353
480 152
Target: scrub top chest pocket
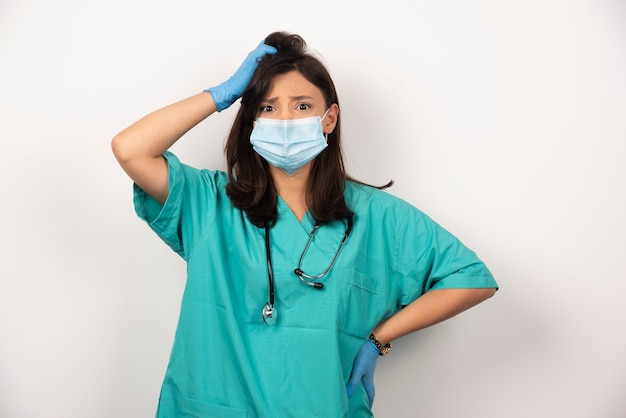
359 303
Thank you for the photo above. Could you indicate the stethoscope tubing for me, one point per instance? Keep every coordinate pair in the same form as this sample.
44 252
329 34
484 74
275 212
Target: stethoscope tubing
270 269
298 271
269 313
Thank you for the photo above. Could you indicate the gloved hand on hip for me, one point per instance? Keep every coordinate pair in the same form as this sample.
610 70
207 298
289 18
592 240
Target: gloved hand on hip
363 370
230 90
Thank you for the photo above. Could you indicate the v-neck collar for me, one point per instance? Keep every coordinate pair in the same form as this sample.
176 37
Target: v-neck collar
295 233
285 213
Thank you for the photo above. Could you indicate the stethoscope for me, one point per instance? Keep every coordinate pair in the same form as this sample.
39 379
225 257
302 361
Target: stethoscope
269 311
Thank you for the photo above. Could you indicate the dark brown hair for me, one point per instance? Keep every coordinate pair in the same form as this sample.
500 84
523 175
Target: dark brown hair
251 187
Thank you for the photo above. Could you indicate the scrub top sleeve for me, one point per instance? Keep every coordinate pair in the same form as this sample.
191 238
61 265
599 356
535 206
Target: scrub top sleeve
431 258
183 216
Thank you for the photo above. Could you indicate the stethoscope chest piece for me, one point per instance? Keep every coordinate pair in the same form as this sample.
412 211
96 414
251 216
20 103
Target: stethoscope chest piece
269 314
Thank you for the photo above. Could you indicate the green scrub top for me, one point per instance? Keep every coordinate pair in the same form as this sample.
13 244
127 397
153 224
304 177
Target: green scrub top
225 361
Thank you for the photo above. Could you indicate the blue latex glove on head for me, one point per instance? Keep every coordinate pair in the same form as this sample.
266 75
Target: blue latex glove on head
230 90
363 370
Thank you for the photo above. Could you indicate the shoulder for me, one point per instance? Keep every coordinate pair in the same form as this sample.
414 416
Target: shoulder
198 177
377 209
363 198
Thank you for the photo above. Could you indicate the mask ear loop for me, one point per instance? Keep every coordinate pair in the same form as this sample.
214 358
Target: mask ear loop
321 119
325 113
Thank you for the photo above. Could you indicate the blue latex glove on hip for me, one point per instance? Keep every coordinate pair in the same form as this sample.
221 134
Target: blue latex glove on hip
230 90
363 370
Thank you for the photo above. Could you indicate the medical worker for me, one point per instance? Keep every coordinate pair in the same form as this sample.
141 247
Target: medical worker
298 276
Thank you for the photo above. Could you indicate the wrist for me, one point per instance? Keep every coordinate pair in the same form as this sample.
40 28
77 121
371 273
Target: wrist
383 349
222 96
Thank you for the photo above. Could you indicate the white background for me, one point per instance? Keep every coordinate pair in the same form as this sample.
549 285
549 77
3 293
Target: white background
503 120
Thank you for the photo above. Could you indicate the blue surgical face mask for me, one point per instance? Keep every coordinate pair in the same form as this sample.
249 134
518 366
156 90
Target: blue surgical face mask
288 144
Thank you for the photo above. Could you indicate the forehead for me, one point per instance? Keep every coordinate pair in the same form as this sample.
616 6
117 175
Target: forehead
293 84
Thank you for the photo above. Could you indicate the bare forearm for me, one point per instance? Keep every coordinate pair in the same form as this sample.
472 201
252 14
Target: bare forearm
139 148
155 133
429 309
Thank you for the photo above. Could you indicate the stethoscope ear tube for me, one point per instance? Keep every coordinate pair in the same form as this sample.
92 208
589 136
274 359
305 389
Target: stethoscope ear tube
308 279
315 285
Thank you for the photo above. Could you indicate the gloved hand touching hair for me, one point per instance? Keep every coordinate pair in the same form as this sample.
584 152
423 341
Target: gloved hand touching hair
363 370
230 90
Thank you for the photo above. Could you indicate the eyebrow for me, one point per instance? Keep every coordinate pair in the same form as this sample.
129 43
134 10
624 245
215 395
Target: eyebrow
294 98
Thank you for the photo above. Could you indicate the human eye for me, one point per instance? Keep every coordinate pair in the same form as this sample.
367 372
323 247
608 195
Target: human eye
266 108
303 106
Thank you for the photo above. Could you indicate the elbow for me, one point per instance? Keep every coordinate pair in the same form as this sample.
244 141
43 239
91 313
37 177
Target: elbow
479 295
488 292
119 146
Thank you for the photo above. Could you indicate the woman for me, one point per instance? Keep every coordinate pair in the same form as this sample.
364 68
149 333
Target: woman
299 277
